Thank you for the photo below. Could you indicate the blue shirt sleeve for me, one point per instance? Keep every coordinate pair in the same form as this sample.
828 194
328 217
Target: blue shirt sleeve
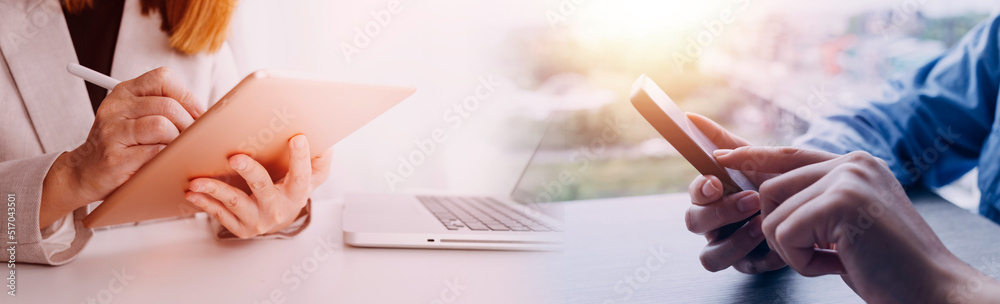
932 125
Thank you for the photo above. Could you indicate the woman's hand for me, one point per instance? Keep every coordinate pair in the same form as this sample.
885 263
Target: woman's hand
848 215
272 206
710 211
134 122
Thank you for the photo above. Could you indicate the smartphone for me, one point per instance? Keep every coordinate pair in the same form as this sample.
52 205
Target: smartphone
667 118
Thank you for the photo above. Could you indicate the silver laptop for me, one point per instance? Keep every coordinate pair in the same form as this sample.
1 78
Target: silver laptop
517 222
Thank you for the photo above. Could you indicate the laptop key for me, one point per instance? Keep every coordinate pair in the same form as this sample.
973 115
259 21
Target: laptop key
478 226
519 228
479 214
497 227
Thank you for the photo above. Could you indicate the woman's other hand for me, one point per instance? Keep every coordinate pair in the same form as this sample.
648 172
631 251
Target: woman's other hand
272 206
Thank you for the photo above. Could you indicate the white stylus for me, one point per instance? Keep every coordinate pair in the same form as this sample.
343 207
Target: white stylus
92 76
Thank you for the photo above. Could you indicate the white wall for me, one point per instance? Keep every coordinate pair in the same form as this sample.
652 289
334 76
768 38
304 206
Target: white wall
440 47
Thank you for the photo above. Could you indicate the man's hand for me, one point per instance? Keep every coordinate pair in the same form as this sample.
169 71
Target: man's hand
134 122
710 211
272 206
848 215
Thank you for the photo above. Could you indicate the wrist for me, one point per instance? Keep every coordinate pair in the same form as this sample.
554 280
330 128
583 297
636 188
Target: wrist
961 283
302 212
61 193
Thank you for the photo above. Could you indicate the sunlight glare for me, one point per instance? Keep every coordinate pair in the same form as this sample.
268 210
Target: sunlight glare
638 20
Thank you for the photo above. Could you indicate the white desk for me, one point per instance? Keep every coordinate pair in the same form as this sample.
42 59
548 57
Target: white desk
608 241
179 262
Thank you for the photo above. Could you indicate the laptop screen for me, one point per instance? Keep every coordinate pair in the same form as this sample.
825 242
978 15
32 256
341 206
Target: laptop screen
547 177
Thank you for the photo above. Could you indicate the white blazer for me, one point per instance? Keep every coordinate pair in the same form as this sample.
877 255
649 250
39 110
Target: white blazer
45 111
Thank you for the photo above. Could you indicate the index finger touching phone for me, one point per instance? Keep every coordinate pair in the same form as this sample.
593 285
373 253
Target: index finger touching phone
667 118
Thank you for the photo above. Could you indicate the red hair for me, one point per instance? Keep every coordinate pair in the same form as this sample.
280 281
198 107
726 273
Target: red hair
193 25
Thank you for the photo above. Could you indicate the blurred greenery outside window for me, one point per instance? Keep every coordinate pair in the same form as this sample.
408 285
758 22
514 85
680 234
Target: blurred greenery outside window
763 78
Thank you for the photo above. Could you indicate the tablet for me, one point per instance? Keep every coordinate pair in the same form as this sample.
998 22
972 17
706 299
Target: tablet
257 118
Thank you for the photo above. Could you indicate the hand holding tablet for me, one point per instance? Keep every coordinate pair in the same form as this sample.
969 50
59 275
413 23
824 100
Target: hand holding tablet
257 118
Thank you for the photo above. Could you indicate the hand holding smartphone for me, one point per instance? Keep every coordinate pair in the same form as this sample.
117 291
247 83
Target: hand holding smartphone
667 118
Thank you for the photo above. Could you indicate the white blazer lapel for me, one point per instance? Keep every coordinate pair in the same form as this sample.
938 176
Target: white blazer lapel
35 42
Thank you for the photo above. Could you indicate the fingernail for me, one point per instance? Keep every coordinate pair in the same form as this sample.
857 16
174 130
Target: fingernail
190 197
748 203
299 142
198 188
240 164
722 152
709 189
755 230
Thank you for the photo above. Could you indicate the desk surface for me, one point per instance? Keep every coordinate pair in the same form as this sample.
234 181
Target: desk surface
612 241
179 262
607 241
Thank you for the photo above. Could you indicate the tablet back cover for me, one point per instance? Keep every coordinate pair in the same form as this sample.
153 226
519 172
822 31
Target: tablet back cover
256 118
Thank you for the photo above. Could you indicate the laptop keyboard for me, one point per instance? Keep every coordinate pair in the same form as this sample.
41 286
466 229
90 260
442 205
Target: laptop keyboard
479 214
